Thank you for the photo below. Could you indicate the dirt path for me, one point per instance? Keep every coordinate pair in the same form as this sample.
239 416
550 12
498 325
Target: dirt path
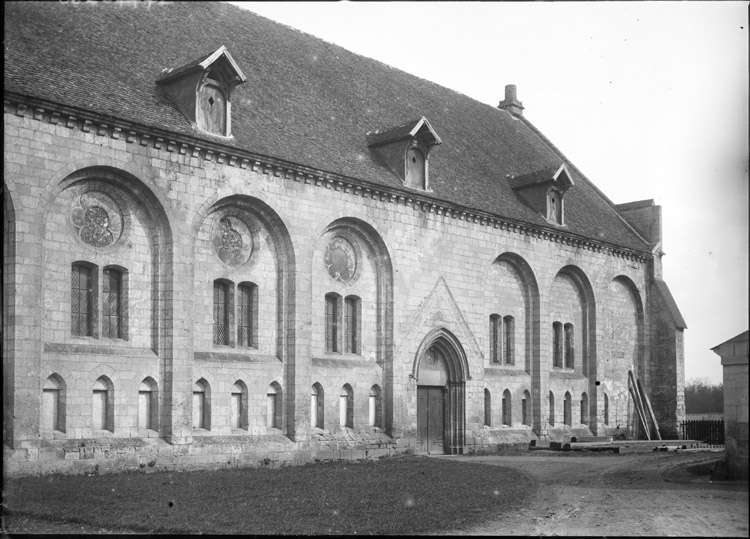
634 494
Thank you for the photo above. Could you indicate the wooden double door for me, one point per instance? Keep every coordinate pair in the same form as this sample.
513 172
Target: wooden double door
431 405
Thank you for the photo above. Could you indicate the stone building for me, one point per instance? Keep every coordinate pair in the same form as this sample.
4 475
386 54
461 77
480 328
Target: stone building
734 360
228 242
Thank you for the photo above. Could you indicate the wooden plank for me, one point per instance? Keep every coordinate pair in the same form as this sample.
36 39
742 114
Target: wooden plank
639 403
640 412
650 410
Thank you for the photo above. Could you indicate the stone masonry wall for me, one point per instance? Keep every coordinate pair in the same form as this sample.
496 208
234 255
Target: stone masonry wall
439 268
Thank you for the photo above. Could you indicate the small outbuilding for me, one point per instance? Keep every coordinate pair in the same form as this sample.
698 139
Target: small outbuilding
734 360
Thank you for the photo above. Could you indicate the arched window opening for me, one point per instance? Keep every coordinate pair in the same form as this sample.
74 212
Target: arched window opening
569 347
222 312
509 338
346 407
247 323
333 322
606 409
317 407
273 406
375 407
584 409
557 344
353 325
238 416
53 404
113 304
506 409
526 408
551 409
487 408
567 412
82 300
148 405
201 405
496 338
102 415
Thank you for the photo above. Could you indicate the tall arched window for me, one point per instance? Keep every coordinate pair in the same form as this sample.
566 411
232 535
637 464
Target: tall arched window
53 404
606 409
551 409
333 322
567 412
509 338
375 406
113 325
496 338
569 347
487 408
526 408
352 344
557 344
222 310
247 323
82 300
102 413
346 407
506 409
273 406
584 409
148 405
317 410
201 405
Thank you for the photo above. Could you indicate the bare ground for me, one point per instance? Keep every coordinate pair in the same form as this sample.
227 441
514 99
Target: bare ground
588 494
638 494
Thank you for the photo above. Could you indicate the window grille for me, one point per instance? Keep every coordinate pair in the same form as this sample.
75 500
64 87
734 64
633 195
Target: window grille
111 304
247 324
332 323
221 313
81 301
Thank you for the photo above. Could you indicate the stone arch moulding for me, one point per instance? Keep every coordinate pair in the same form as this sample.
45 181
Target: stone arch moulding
458 373
284 251
532 325
374 242
586 291
637 298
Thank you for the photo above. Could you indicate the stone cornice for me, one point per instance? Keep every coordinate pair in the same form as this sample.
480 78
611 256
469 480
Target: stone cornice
207 150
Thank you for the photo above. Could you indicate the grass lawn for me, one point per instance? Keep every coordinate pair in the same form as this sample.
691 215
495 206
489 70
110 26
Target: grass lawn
402 495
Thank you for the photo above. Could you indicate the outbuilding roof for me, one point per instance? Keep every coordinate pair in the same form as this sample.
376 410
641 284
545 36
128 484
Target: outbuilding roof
304 101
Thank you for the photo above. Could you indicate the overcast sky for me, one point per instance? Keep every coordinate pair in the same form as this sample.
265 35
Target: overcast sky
648 99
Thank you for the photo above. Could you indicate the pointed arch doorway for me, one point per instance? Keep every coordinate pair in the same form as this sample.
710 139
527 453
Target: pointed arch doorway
441 371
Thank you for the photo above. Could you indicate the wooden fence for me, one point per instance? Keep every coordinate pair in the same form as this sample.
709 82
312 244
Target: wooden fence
710 431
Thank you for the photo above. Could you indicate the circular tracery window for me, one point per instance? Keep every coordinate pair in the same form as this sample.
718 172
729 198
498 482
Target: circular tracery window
96 219
232 240
340 259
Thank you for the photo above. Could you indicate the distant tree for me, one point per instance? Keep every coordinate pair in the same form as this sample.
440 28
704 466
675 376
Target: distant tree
701 397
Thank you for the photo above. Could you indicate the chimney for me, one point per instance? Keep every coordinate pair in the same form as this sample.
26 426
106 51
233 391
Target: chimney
510 103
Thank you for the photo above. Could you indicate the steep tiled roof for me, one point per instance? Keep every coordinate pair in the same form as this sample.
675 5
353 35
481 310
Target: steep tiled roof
305 101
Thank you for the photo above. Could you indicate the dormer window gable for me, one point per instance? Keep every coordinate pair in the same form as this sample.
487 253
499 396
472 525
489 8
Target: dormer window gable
405 151
202 90
544 191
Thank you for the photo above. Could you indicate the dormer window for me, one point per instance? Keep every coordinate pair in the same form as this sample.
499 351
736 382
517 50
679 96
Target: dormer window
202 90
405 150
544 190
